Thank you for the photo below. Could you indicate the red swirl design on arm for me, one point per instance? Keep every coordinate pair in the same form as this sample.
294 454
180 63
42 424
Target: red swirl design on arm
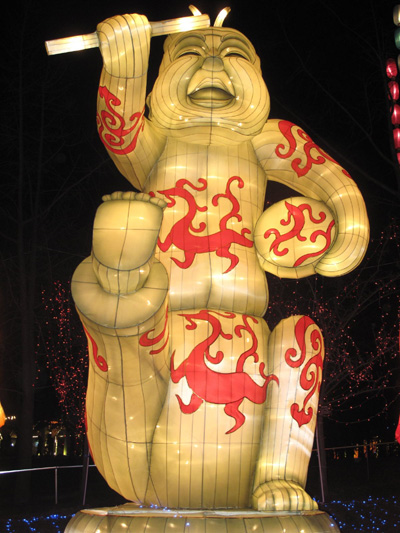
111 125
298 164
311 374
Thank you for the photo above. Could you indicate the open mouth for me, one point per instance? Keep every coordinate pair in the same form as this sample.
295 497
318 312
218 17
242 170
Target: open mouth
211 97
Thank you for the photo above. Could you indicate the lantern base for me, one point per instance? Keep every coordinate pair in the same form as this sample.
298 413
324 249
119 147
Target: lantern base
130 518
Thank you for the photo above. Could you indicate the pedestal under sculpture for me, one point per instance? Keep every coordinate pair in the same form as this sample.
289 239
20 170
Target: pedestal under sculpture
196 411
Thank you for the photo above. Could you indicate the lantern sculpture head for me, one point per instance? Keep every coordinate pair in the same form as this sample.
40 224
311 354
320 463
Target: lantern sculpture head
210 88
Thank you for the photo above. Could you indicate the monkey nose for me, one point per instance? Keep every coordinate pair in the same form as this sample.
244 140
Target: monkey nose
213 63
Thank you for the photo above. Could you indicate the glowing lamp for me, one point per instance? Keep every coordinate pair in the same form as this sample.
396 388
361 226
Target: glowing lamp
396 15
397 434
2 416
391 68
394 90
396 114
91 40
396 138
397 38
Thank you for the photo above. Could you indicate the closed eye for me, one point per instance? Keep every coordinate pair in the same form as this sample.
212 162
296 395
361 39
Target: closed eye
189 53
236 54
236 47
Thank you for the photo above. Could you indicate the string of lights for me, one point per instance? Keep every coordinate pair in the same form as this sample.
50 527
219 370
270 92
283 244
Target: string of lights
63 344
392 71
37 524
369 514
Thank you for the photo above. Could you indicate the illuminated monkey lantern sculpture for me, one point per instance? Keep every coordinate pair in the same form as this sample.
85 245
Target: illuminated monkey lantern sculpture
192 402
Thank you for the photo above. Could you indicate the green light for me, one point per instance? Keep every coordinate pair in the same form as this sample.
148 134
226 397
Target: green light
397 38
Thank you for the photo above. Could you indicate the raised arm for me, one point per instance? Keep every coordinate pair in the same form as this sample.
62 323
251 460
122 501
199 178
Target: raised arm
131 141
290 157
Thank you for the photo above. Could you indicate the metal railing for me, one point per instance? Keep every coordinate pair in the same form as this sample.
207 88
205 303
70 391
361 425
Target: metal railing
56 469
364 448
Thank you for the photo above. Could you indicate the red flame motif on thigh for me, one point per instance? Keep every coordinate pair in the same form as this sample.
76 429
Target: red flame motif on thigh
98 359
183 233
229 388
147 340
311 373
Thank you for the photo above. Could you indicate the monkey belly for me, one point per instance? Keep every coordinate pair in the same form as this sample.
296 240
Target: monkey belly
206 441
205 283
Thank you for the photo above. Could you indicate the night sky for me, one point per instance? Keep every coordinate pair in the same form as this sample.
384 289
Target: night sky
323 63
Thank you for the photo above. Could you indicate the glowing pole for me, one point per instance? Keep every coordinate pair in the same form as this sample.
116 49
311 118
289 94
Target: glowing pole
91 40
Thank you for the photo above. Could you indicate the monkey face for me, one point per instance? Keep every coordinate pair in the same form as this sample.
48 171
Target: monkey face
210 88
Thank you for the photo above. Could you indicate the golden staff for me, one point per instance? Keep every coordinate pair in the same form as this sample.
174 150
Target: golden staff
162 27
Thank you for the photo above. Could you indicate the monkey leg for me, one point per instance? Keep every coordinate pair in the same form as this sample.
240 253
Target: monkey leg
295 353
206 443
128 375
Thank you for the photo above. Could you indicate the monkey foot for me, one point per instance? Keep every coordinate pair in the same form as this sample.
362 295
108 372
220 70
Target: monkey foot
125 234
282 495
137 196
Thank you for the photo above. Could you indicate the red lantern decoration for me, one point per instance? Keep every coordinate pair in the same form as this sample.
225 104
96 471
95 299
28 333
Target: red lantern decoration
396 138
397 434
396 15
396 115
394 90
391 68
